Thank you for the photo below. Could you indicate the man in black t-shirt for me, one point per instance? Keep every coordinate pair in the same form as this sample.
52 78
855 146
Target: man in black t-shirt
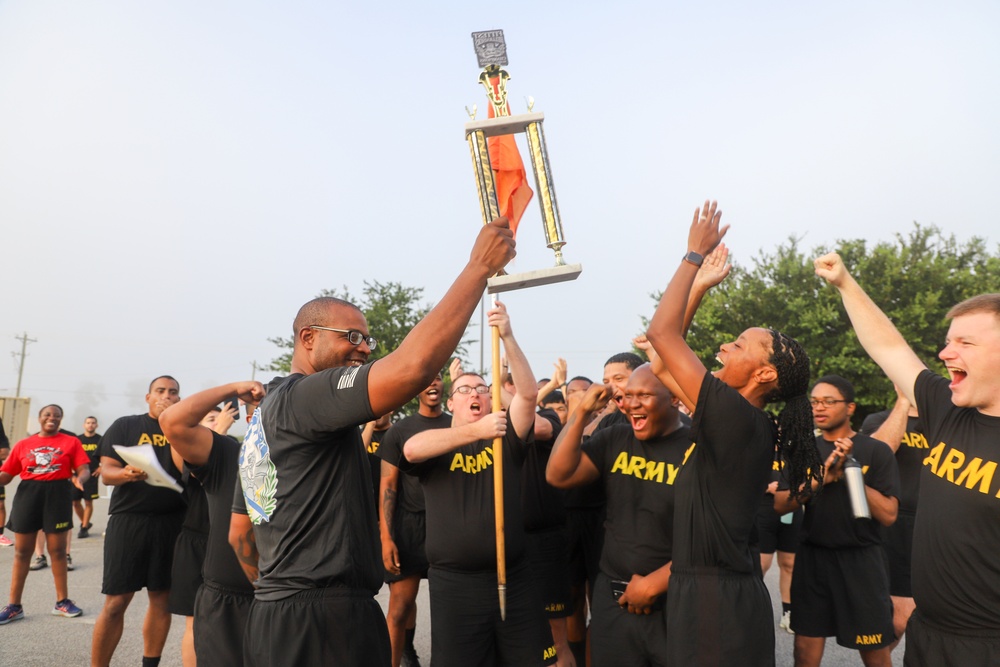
637 465
403 525
222 602
455 467
840 586
142 527
83 500
306 479
956 573
900 428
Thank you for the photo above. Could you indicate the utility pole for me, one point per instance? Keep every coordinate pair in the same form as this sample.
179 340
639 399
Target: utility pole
24 346
255 367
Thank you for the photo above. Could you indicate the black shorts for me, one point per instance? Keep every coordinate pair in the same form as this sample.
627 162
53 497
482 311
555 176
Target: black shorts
927 646
220 619
411 535
843 593
584 542
718 617
42 506
547 562
185 573
465 616
139 552
325 626
90 490
620 638
778 532
897 543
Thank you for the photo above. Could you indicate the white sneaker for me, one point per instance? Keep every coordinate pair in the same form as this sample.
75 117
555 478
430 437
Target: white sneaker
786 622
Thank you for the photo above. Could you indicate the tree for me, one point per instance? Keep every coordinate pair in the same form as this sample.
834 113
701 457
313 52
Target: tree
914 280
391 309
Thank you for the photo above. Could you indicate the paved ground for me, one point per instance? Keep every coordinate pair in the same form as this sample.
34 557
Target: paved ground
43 640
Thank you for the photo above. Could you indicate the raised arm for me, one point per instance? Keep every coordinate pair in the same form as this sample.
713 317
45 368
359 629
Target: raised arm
876 333
402 374
892 429
558 380
181 422
667 328
568 465
522 406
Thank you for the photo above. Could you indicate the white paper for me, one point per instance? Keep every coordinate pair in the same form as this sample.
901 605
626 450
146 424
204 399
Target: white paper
144 458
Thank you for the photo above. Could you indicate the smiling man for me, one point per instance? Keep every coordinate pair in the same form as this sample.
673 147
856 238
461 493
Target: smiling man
306 479
637 463
955 571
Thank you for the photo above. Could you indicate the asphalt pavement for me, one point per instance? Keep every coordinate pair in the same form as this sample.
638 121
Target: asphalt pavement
43 640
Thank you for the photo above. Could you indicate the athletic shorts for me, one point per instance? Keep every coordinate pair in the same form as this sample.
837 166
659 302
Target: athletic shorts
773 533
927 646
42 506
842 593
139 552
719 617
897 542
220 619
584 541
465 616
546 551
90 490
411 535
620 638
323 626
185 574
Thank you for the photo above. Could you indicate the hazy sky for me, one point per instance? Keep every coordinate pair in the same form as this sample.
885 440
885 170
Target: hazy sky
177 178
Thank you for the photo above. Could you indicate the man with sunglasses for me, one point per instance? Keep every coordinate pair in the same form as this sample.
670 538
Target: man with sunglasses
840 586
455 468
305 475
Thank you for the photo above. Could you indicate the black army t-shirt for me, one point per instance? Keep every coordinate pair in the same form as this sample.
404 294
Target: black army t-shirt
141 497
458 494
307 485
829 520
719 487
91 447
411 494
909 457
375 463
219 477
638 478
956 539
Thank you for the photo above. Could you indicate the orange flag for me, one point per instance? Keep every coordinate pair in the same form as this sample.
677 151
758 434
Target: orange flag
513 192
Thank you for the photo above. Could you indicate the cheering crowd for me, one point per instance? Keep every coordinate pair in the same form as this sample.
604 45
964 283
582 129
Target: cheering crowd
650 503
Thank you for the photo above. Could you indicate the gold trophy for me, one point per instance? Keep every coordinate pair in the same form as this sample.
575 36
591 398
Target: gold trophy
491 50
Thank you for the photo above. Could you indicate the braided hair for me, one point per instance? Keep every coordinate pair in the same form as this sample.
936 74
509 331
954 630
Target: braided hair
796 442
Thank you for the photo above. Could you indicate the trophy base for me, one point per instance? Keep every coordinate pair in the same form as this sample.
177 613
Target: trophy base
516 281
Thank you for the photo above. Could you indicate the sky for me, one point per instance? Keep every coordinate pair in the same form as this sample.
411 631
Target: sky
177 178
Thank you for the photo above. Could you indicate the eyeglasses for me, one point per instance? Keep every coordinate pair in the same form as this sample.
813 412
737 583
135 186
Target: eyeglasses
828 402
354 337
468 389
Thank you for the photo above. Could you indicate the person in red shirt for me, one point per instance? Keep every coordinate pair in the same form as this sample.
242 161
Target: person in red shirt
46 462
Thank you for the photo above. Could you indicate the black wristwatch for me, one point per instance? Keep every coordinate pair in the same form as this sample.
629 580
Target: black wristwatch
694 258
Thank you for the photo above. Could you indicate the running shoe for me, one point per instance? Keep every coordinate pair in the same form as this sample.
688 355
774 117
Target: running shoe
5 541
12 612
84 532
69 563
786 623
66 608
38 562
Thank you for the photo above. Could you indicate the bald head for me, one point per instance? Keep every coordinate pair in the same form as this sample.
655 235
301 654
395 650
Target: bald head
318 311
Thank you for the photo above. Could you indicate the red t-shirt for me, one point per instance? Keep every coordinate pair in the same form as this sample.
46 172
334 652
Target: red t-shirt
46 459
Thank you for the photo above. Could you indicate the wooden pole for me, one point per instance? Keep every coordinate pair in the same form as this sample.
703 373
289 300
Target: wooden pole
498 477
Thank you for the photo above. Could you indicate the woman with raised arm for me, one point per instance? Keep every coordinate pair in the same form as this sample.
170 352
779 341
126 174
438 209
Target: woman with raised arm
719 611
